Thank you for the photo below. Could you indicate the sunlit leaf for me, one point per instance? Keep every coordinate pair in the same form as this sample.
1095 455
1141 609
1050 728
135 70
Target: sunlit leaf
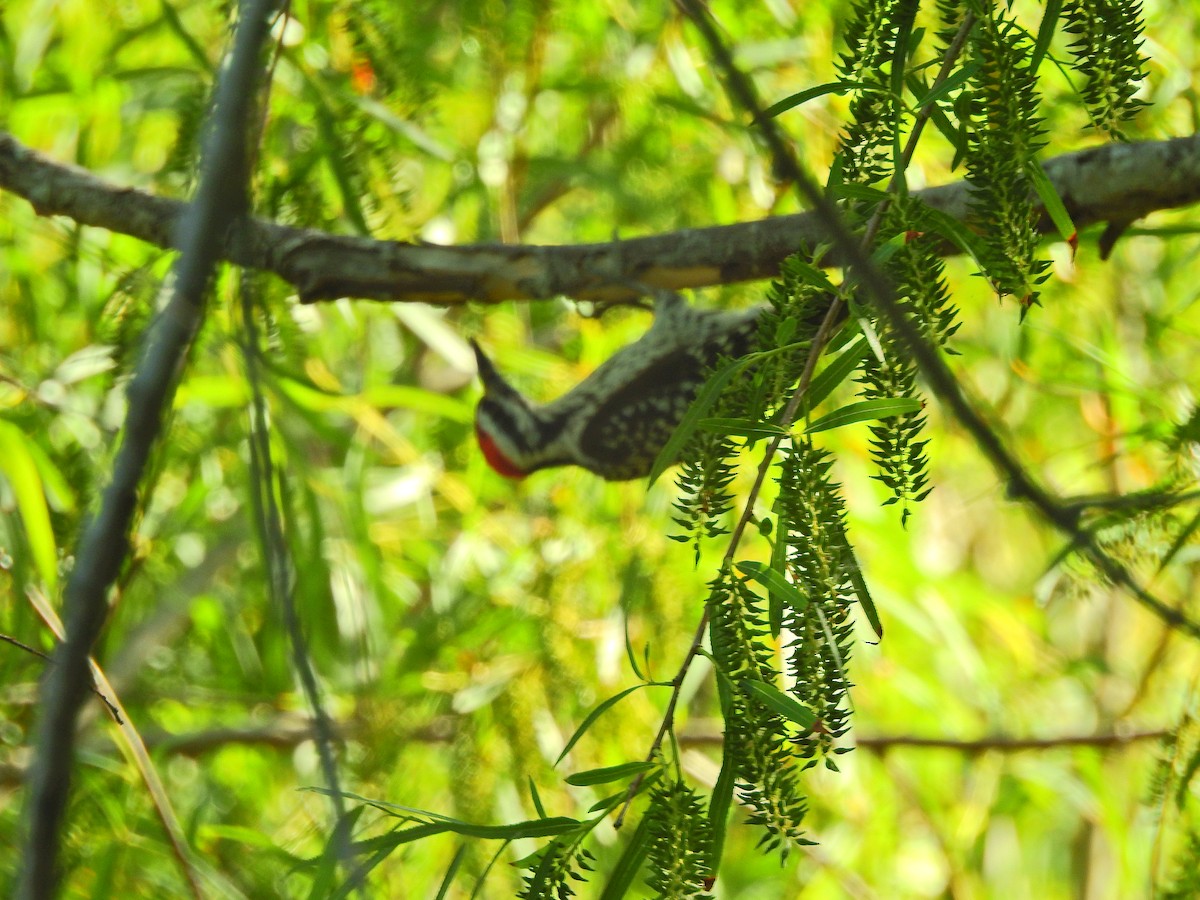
595 714
865 411
626 869
788 707
20 468
775 582
608 774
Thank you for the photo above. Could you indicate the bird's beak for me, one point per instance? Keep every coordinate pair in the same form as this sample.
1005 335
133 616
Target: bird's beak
493 381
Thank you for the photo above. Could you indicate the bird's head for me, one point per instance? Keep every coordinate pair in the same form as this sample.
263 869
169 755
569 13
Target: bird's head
505 423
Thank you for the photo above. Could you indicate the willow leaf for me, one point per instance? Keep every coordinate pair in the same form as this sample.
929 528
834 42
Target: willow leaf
627 866
802 97
865 411
608 774
1051 200
597 713
788 707
774 582
835 373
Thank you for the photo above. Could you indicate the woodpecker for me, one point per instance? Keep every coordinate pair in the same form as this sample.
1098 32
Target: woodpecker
615 422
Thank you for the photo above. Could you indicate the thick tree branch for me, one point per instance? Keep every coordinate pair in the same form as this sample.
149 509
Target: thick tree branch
1115 184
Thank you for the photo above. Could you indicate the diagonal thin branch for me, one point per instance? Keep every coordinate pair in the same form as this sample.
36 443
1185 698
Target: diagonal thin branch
1116 184
104 544
1022 485
95 689
266 479
785 161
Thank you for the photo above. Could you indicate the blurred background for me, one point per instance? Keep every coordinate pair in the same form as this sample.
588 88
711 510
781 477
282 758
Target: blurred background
463 626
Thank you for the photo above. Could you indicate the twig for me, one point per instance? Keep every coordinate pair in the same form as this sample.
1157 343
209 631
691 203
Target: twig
742 90
281 578
1004 744
287 731
269 520
112 710
668 720
9 639
785 161
104 544
1150 500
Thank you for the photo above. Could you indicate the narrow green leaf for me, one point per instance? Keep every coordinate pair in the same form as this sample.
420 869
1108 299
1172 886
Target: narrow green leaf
448 878
627 866
850 191
612 801
788 707
696 412
1045 33
629 654
402 396
743 428
60 495
863 321
811 274
226 391
953 133
536 797
597 713
904 15
865 411
864 598
530 828
960 77
774 582
832 87
888 248
606 803
238 833
835 373
608 774
721 800
779 552
398 838
1051 200
387 396
20 468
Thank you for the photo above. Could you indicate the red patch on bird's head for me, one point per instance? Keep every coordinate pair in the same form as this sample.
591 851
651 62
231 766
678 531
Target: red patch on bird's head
495 457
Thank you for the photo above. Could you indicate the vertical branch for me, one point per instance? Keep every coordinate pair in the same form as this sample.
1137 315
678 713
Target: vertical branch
281 576
103 547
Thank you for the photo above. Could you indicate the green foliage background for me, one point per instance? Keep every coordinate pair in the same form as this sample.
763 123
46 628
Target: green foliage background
463 626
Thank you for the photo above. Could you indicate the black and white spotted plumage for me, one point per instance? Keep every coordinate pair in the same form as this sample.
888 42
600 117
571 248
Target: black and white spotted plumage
614 422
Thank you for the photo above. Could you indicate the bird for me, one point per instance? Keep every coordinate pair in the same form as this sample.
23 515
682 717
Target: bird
616 421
